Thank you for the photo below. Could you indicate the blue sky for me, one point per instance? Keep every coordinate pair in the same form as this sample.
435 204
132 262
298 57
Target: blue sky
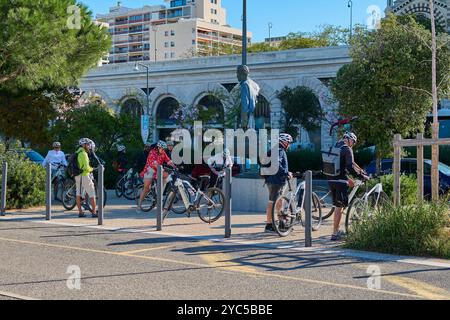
285 15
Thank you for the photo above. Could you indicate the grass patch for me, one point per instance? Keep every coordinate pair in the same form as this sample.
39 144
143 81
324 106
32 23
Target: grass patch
418 230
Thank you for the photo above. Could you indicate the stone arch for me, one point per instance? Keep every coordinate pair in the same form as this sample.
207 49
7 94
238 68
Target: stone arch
131 93
100 93
164 107
161 92
325 98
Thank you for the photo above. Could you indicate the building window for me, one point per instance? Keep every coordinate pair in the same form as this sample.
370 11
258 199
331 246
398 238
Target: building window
166 44
172 55
172 44
166 55
172 32
194 42
166 33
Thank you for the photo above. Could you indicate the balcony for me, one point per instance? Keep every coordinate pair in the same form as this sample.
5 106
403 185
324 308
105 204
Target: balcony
136 50
120 32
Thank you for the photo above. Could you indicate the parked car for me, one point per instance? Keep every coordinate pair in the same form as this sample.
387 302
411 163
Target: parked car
409 166
31 155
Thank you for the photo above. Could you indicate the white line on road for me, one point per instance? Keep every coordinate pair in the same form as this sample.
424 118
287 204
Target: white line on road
15 296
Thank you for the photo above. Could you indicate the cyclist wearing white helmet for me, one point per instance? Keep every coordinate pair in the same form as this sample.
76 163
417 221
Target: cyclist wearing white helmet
339 186
121 161
218 164
84 181
276 182
156 157
58 161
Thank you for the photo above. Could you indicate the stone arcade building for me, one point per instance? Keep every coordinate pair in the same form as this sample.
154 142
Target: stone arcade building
212 82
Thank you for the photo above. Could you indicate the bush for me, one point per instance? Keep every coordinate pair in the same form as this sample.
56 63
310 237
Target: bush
26 181
408 187
406 230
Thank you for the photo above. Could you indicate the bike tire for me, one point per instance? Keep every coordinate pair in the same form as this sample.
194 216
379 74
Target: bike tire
149 202
321 192
316 211
218 198
119 187
69 200
283 218
355 212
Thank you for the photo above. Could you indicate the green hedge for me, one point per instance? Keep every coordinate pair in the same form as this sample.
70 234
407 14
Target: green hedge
418 230
408 187
26 181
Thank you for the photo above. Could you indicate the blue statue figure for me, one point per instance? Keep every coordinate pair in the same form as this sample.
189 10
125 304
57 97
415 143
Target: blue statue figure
249 97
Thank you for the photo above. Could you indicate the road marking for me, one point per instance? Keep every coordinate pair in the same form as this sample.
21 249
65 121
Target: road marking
15 296
418 287
226 266
336 251
146 250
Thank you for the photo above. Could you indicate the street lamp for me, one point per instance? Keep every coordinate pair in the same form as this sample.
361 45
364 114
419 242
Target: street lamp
244 33
136 68
350 5
270 37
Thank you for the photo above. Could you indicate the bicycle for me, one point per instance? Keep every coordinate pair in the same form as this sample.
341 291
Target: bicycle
69 200
369 202
324 195
121 181
208 204
58 180
289 209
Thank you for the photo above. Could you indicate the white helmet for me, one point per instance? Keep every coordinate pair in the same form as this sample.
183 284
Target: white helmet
121 148
84 141
56 144
162 144
287 138
351 136
226 153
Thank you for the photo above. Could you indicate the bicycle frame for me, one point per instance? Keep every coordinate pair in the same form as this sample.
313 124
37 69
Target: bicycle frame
288 193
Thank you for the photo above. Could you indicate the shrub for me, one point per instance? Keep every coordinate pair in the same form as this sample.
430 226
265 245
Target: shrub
407 230
408 187
26 181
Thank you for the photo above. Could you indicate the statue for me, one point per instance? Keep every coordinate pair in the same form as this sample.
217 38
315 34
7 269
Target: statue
249 97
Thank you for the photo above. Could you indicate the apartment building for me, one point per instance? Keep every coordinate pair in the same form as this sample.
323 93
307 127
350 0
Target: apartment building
177 30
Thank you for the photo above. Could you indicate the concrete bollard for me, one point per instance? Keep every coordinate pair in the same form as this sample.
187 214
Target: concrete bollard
308 209
4 188
228 202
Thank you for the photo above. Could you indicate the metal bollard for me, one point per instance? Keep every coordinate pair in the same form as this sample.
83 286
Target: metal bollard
4 187
159 198
101 194
48 192
228 202
308 209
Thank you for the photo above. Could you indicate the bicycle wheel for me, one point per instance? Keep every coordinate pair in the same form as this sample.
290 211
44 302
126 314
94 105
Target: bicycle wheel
167 205
326 202
316 211
149 201
119 187
88 202
283 217
355 213
210 206
69 198
378 201
128 188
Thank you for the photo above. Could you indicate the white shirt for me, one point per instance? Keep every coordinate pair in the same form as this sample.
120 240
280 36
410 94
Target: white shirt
55 158
217 162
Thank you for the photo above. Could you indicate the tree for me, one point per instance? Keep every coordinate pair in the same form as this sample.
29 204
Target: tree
388 83
262 47
99 123
42 48
301 108
301 41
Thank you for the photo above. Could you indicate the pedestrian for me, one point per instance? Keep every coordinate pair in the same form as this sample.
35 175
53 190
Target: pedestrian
84 181
276 182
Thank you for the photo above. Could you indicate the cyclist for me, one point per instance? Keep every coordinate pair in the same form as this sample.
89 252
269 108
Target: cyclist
276 182
121 162
218 164
156 157
56 158
84 181
339 185
170 146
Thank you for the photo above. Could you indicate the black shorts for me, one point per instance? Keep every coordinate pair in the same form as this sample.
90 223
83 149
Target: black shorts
339 192
274 191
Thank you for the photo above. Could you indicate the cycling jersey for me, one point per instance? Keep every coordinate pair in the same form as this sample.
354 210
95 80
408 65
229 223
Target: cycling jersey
154 160
55 158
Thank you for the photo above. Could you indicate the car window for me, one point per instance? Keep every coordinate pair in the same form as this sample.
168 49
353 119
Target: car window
405 167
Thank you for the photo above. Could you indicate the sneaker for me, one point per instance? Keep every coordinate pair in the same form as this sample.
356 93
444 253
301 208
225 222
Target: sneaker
338 236
95 215
269 228
81 215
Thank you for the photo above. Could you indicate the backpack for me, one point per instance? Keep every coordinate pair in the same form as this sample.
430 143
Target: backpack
73 168
332 161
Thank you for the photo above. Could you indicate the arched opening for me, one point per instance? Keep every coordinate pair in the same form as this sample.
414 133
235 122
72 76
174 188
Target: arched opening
132 107
262 113
211 109
165 123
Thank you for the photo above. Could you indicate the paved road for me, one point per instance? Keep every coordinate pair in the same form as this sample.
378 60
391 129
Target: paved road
35 258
